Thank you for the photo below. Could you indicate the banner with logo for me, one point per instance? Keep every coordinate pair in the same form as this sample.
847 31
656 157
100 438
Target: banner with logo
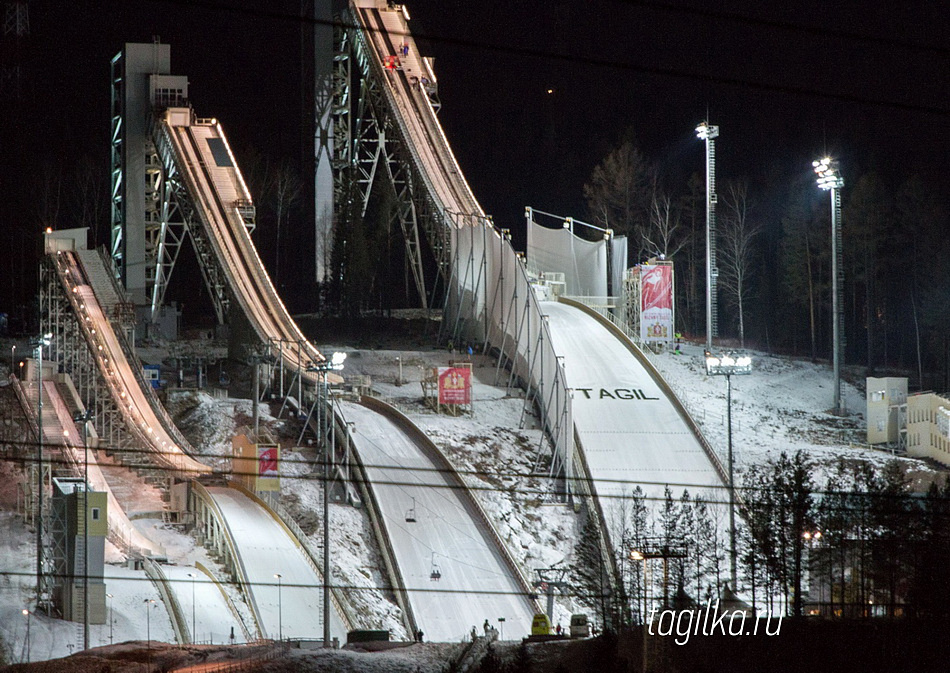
656 302
455 385
268 468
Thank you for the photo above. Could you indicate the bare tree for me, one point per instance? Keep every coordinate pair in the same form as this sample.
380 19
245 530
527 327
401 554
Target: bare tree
324 241
50 192
737 236
286 192
618 192
89 196
661 238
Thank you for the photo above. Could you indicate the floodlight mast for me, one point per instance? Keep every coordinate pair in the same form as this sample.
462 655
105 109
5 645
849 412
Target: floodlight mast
830 180
708 133
335 364
729 364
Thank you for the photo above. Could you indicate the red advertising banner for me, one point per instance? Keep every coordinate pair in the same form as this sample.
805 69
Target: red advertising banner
455 385
656 302
267 465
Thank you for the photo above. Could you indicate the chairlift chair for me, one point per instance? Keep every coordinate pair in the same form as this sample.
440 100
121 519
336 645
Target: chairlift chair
411 513
436 573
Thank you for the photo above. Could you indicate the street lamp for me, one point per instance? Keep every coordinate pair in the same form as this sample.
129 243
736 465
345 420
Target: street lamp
149 602
111 619
13 358
38 345
638 555
27 613
334 364
280 608
830 180
726 365
810 539
194 637
708 133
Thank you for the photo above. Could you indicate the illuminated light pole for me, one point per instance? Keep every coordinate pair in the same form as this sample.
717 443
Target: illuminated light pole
726 365
709 133
27 614
45 340
111 619
830 180
811 538
638 555
194 636
280 608
334 364
148 630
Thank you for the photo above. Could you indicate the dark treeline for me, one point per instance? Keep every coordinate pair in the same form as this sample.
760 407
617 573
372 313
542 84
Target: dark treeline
774 241
859 543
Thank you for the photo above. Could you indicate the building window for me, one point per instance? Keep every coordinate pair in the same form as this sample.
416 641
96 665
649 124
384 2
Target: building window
95 513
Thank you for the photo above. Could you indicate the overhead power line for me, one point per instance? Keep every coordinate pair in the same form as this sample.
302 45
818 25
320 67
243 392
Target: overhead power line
626 66
816 31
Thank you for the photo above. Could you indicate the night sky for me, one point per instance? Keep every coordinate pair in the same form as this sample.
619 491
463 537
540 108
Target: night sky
785 82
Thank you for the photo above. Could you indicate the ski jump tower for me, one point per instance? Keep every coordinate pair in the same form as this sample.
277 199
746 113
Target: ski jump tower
147 224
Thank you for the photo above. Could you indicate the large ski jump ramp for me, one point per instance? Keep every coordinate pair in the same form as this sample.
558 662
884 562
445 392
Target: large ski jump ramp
631 433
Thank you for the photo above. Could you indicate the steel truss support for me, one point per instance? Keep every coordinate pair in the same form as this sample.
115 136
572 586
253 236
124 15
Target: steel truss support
368 146
71 352
117 247
176 219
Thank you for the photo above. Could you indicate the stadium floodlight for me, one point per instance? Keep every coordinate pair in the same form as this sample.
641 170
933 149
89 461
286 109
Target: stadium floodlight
729 364
708 133
830 180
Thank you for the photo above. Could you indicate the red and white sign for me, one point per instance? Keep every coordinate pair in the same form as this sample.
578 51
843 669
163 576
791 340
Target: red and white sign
656 302
455 385
267 461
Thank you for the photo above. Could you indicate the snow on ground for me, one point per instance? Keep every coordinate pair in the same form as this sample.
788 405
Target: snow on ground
782 406
355 561
495 449
210 422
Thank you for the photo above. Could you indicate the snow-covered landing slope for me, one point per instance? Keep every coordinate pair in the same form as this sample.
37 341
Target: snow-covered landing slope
293 607
474 581
630 432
